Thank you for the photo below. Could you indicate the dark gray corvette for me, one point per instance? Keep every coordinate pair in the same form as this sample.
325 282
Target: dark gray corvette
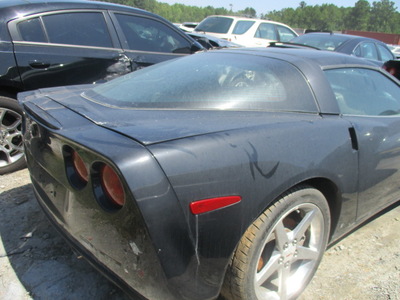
223 172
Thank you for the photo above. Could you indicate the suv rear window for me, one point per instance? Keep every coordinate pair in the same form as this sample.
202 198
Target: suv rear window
211 81
266 31
242 26
215 24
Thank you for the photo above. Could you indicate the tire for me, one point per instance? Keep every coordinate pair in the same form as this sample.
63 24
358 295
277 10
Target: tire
11 144
279 253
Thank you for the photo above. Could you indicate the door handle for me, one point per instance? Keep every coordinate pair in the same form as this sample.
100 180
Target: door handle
39 64
353 138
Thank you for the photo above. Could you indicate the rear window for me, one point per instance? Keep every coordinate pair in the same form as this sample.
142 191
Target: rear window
241 27
385 53
215 24
266 31
210 81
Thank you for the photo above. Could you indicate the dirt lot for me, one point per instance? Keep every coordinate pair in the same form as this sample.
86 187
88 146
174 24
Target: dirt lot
36 263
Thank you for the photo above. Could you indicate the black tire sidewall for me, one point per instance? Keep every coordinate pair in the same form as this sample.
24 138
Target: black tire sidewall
11 104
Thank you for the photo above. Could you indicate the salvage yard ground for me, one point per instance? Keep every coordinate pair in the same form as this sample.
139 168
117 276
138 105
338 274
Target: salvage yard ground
36 263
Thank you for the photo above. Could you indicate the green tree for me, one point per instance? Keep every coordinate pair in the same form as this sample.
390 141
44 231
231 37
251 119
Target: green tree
248 12
383 16
359 16
302 4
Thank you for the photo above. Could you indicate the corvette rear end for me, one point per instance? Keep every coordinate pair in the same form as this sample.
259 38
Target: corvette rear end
87 198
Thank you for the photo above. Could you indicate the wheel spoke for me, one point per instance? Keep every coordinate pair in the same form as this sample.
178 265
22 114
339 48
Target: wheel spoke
281 236
305 223
304 253
284 275
268 270
2 114
12 146
14 126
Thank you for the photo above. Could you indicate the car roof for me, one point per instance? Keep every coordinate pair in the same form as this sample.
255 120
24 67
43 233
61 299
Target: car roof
342 35
246 19
14 9
17 8
310 56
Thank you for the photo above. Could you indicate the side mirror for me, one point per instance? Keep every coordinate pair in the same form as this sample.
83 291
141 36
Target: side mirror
196 46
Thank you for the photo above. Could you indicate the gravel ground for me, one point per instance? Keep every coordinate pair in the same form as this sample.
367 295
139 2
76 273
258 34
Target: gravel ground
36 263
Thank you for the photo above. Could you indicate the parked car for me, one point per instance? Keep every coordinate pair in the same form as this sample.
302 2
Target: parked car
246 31
212 42
226 171
364 47
55 43
395 50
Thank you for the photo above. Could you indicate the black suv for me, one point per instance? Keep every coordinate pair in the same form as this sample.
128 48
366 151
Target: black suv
57 43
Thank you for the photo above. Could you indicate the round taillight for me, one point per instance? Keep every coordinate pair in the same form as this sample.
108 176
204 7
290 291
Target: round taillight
112 186
80 167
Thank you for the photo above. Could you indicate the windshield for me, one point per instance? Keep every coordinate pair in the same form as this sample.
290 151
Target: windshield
215 24
212 80
321 41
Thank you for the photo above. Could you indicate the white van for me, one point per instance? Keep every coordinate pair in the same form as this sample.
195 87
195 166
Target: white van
246 31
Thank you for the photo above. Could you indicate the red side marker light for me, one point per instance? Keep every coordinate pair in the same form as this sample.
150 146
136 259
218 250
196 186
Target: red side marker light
206 205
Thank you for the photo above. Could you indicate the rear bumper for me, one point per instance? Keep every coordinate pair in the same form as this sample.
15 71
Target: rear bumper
87 255
122 251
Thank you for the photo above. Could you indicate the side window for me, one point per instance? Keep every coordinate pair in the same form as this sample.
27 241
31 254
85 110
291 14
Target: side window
364 92
366 50
32 31
242 26
80 28
144 34
266 31
385 53
285 34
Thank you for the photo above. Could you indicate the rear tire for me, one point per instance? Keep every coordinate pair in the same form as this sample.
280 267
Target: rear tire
11 143
280 252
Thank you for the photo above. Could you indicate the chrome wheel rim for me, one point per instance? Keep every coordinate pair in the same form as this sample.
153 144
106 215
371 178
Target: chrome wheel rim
11 145
290 253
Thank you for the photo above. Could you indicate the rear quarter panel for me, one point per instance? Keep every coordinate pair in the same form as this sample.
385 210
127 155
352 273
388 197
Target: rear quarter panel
258 163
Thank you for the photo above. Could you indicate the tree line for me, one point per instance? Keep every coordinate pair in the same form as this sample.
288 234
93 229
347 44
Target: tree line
381 16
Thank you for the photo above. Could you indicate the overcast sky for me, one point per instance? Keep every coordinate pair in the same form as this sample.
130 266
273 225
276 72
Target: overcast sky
264 6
